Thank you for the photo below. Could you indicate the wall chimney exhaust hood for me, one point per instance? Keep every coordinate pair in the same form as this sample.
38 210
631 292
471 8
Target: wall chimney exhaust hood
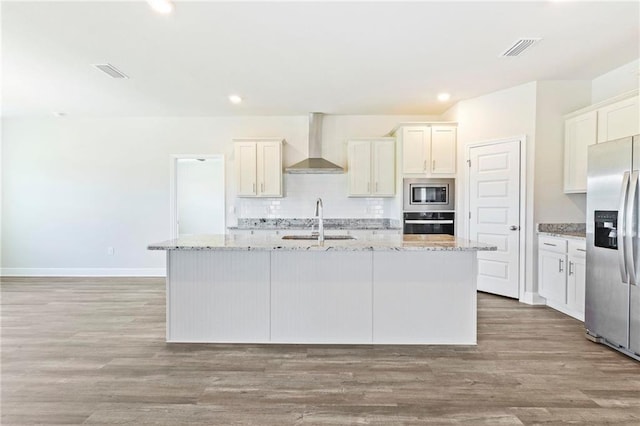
315 163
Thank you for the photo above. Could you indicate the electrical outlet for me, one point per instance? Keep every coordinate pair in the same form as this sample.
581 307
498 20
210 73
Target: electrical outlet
110 251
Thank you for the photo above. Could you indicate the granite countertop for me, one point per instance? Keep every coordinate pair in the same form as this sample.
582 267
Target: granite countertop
563 230
308 223
370 243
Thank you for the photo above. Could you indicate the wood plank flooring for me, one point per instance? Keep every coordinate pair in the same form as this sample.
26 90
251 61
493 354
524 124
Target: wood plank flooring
93 351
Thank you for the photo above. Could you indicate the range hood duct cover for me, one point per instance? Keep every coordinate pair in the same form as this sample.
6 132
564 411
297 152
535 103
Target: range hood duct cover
315 163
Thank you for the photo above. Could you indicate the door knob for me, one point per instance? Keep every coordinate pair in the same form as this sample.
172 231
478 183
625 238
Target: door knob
514 228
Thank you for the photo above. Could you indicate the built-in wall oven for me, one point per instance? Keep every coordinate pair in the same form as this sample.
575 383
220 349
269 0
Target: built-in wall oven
429 206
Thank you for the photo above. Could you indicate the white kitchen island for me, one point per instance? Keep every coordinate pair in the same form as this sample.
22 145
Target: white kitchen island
383 289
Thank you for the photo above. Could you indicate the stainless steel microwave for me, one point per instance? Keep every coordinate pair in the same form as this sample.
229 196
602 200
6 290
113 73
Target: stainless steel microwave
429 194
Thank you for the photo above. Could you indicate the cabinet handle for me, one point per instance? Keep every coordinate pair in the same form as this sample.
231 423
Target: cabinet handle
433 168
254 187
549 244
570 268
581 250
424 167
560 268
262 187
368 186
376 186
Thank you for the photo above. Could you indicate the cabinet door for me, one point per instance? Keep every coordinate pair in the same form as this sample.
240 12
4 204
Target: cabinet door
415 149
245 157
443 150
552 276
576 279
384 172
579 133
269 169
618 120
359 161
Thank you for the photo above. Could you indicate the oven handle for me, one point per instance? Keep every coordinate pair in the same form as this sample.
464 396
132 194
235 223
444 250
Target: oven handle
428 222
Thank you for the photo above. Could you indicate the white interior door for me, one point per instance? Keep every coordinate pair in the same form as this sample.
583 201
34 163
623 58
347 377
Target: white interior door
494 206
199 196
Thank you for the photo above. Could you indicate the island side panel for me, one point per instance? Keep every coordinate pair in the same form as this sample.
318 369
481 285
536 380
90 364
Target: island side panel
424 297
321 297
218 296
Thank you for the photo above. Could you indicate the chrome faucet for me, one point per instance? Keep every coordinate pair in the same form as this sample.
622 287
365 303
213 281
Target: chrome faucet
320 224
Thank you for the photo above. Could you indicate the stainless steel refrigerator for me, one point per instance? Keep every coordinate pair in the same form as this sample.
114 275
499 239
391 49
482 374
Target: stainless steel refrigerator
612 311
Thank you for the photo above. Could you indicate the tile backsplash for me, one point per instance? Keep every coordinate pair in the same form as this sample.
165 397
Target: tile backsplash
301 192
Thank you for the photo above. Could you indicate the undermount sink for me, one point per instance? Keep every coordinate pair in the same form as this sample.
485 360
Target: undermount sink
315 237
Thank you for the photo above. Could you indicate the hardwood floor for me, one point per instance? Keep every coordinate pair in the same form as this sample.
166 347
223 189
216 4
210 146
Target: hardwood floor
93 351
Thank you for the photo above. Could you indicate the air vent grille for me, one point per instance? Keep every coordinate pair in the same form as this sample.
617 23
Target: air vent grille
519 47
110 70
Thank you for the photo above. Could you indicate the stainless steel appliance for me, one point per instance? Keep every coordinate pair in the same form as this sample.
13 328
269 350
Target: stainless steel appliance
429 223
427 194
612 311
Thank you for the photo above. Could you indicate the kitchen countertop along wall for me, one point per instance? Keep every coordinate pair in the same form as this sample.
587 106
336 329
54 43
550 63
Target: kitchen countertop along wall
308 223
570 230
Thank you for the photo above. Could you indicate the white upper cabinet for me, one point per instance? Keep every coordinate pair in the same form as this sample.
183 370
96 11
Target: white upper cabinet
416 143
428 150
608 120
443 149
359 167
371 168
580 132
618 120
258 167
383 160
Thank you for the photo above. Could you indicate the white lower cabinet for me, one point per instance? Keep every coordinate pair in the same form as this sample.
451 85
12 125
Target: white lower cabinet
561 274
576 277
356 233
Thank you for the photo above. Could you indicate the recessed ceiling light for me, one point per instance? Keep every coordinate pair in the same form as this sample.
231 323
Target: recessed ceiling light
235 99
161 6
444 97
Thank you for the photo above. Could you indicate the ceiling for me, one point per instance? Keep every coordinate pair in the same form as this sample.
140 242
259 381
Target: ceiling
289 58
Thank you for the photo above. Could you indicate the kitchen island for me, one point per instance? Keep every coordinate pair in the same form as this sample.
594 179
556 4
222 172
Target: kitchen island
382 289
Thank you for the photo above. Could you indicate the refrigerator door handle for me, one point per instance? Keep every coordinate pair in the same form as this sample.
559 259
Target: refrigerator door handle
621 227
629 234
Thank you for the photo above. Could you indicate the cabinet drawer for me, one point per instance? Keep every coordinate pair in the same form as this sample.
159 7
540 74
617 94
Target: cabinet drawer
577 248
557 245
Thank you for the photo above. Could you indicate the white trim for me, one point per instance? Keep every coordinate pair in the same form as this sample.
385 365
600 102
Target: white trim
533 298
603 103
522 139
173 196
82 272
561 307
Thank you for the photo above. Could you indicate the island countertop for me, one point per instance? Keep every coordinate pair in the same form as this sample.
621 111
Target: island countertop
368 243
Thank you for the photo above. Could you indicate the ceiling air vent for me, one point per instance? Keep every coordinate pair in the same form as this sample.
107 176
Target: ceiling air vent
110 70
519 47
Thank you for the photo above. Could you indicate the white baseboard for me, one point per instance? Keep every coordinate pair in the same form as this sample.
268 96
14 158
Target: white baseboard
83 272
531 298
566 310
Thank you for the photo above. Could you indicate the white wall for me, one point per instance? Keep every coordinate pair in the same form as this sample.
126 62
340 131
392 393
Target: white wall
615 82
498 115
554 99
73 187
535 110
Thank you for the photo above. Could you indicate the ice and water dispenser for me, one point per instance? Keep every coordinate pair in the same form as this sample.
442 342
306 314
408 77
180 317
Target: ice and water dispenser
606 229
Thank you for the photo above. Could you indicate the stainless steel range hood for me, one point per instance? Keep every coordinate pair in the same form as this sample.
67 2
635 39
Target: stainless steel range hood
315 163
